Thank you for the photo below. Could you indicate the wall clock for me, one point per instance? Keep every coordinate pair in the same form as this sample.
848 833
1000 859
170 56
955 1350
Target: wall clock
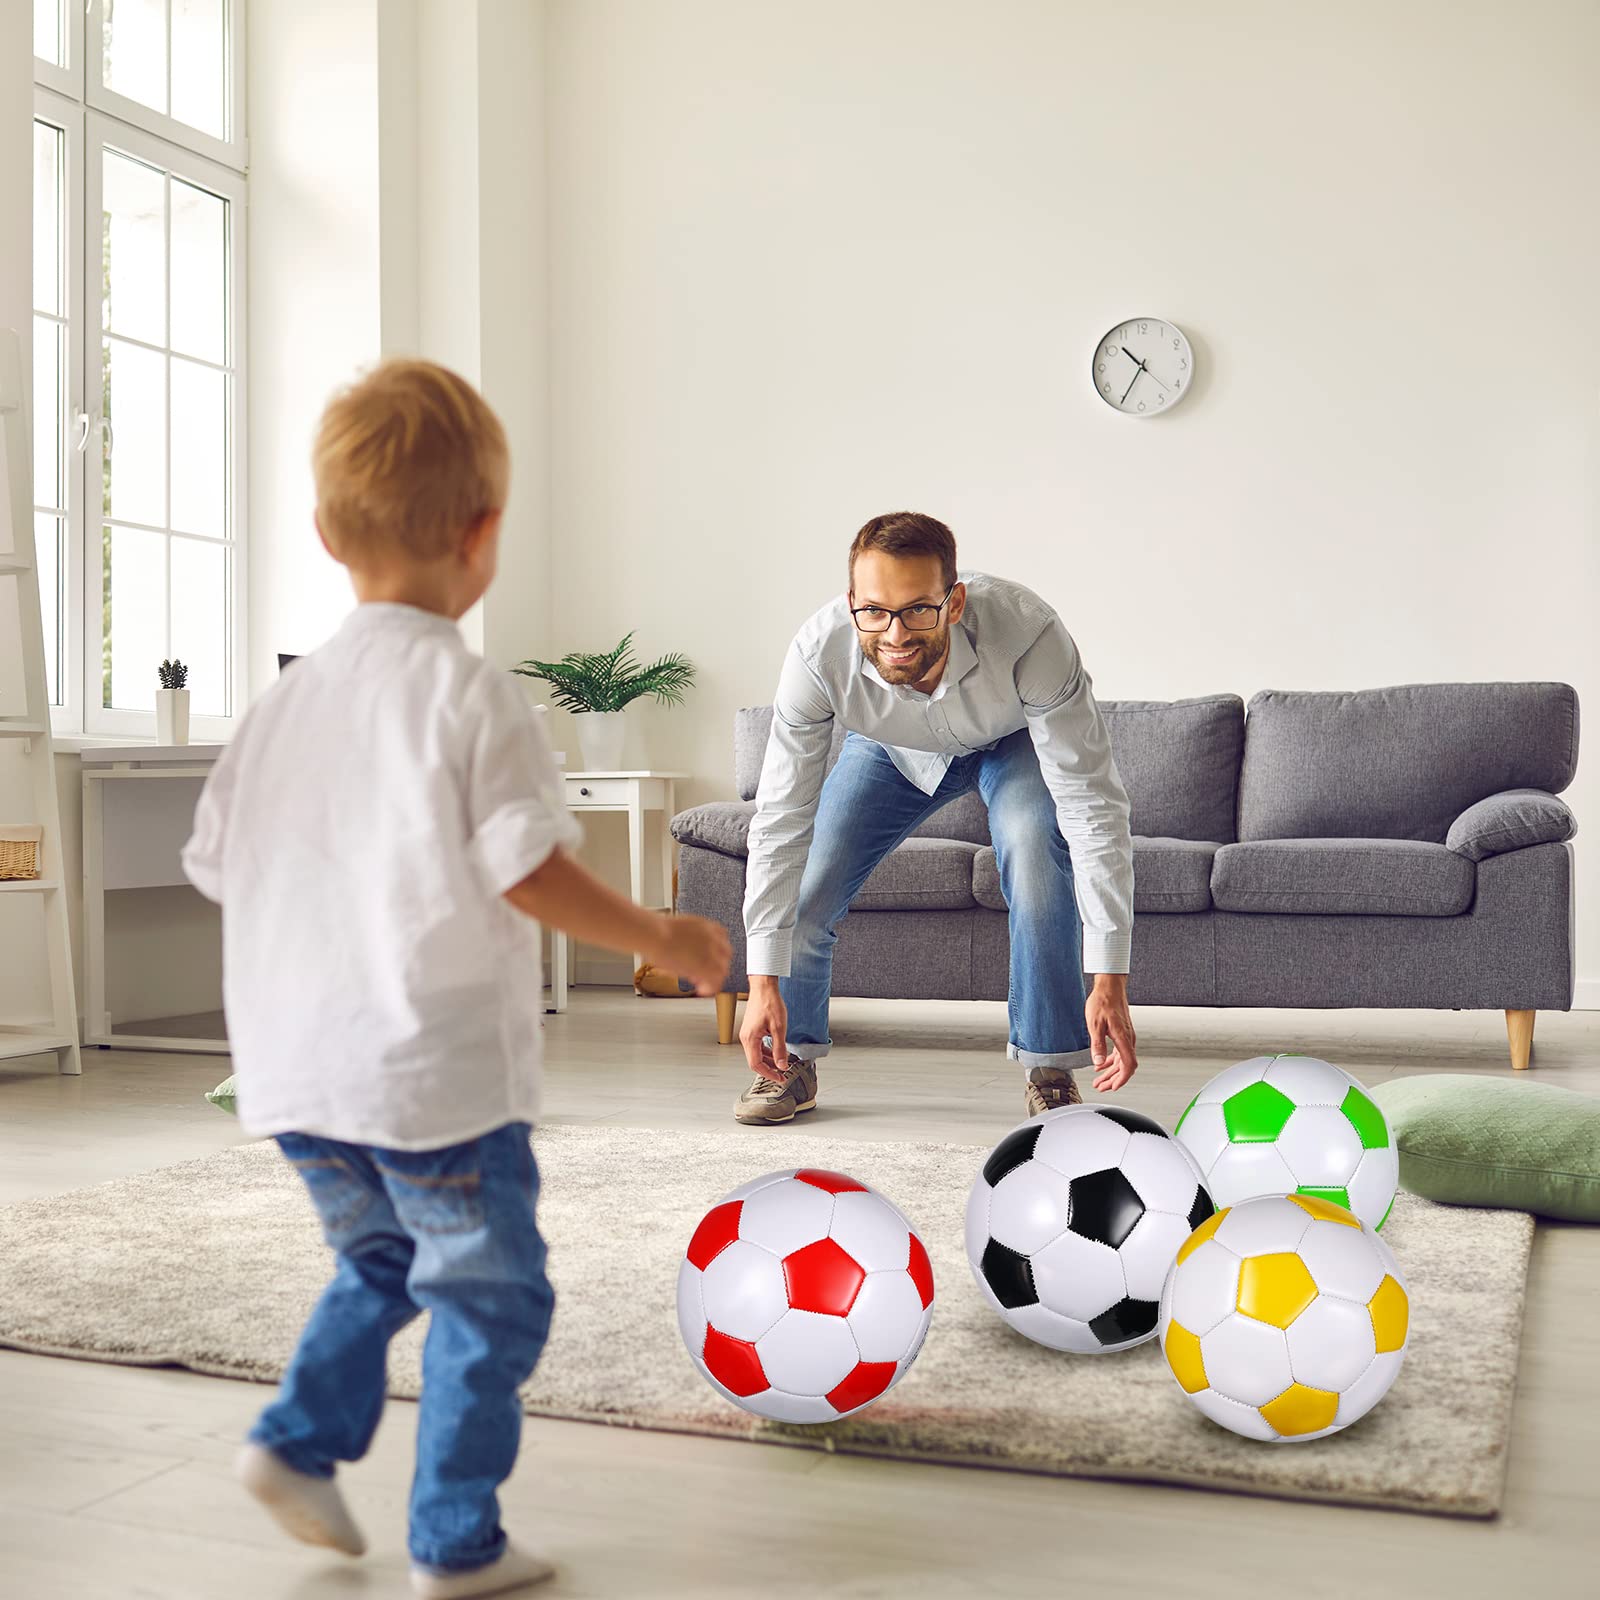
1142 367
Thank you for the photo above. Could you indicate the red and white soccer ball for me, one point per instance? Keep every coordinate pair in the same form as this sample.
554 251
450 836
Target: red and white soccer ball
804 1296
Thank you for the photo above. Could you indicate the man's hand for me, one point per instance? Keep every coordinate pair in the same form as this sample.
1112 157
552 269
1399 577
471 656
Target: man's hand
694 948
766 1016
1108 1019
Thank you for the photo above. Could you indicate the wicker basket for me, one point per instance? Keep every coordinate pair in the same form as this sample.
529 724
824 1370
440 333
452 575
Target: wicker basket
19 852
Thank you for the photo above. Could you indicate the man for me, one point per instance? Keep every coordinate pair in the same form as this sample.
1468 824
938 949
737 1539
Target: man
943 686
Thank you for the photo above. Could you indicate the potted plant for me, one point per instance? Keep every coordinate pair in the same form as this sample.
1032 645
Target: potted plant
598 689
172 703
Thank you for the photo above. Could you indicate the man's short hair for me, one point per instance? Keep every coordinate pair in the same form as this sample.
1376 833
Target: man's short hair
405 459
907 533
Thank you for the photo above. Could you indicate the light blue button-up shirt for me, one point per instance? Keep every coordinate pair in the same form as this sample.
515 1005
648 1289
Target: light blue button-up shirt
1012 664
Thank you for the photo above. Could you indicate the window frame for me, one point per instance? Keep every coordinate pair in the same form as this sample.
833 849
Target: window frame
228 152
92 117
104 133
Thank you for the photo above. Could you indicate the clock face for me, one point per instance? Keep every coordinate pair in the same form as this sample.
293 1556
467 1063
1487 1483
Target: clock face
1143 367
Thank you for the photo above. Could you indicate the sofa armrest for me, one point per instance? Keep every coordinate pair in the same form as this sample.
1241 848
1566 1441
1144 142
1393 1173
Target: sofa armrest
1511 820
722 825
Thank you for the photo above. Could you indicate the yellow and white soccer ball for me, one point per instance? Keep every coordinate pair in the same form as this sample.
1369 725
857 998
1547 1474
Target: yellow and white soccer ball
1284 1318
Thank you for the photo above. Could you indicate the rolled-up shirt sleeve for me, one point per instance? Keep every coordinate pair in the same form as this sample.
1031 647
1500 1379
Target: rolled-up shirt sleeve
1074 749
516 809
786 810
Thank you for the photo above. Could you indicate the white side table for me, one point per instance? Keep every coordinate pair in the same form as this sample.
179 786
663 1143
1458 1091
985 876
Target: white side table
635 793
138 813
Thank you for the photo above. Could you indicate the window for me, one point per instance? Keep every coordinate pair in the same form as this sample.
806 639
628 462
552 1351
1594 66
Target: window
139 200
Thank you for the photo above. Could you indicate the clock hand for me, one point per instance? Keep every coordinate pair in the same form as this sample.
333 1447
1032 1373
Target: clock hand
1137 375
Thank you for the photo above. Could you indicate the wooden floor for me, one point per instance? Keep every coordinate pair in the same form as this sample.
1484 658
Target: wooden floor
113 1481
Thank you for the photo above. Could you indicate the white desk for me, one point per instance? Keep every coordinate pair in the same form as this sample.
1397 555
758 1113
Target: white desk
635 793
138 813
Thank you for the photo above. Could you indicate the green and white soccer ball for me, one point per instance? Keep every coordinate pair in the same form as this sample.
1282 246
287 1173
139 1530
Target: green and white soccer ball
1286 1124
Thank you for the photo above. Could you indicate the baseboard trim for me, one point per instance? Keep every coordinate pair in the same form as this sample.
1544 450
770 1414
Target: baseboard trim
1586 994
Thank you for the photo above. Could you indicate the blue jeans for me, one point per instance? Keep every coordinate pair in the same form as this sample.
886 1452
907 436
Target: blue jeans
867 807
446 1231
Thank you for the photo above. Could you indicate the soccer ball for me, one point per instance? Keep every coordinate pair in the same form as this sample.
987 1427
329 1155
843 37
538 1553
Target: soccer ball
1292 1125
804 1296
1285 1318
1074 1221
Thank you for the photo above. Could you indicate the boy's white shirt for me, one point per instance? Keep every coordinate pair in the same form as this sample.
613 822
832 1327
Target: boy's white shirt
359 833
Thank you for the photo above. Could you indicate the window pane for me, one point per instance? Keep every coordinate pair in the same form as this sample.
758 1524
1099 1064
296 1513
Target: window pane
48 40
135 599
134 286
199 449
200 622
47 214
199 273
135 59
49 371
135 487
199 65
49 548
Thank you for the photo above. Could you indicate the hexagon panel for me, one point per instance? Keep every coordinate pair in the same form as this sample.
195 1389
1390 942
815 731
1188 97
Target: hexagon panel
1234 1416
1029 1207
1205 1288
1342 1261
1077 1277
1249 1172
1161 1172
1053 1330
743 1291
871 1230
1151 1249
1232 1079
1204 1134
886 1317
1330 1344
1308 1081
807 1354
786 1216
1267 1226
1077 1140
1320 1147
1372 1189
1246 1360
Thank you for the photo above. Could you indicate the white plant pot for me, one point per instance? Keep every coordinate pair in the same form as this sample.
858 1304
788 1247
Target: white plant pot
600 738
172 716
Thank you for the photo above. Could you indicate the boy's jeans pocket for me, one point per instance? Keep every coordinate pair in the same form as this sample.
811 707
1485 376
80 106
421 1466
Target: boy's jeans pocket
337 1188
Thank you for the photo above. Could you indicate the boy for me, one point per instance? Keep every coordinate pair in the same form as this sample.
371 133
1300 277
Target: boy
380 833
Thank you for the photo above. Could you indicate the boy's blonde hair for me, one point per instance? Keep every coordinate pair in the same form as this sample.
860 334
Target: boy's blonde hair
405 459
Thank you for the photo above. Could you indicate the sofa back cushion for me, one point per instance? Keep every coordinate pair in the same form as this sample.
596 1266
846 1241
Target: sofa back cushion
1179 762
1399 763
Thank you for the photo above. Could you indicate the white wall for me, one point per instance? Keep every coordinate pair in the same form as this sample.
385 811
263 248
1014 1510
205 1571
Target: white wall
813 262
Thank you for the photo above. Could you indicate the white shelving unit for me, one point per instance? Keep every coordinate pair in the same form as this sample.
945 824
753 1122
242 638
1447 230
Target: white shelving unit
18 572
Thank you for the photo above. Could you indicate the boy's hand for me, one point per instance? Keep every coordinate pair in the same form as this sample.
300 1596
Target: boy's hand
695 948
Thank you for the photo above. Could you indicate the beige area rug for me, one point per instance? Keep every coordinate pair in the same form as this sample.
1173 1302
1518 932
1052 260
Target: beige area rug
214 1264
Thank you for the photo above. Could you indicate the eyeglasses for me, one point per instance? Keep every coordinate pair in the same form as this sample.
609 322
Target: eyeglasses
919 618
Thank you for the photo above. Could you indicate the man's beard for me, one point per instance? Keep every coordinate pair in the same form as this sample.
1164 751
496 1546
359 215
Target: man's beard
930 650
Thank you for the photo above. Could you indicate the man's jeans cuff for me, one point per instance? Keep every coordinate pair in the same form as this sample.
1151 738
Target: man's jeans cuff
1060 1059
806 1052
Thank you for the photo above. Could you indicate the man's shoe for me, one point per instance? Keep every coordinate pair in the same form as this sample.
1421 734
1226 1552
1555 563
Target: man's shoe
1049 1088
766 1101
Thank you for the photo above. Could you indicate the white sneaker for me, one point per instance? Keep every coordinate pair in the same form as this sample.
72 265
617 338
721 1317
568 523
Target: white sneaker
514 1570
309 1509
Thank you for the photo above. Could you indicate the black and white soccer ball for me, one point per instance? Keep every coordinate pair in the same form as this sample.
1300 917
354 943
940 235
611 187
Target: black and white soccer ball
1075 1221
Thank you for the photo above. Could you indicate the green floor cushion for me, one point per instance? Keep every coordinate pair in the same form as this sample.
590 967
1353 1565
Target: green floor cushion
1472 1141
222 1096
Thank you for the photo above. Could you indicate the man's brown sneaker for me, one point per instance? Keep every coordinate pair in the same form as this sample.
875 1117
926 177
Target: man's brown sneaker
1048 1088
766 1101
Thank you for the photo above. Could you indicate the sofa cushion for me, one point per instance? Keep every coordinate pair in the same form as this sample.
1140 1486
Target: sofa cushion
1400 763
1374 877
1168 875
1510 821
1473 1141
921 875
1179 761
720 825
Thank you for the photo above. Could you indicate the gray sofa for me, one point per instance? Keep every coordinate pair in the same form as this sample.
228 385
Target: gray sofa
1392 847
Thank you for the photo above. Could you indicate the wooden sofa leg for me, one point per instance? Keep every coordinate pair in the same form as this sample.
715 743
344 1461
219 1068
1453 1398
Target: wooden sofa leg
1519 1030
727 1006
